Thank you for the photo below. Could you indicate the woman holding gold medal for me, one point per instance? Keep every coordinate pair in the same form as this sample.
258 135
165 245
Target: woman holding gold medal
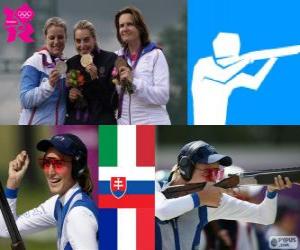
42 85
92 96
144 84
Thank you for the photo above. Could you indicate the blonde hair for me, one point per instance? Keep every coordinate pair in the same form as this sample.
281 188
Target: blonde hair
55 21
85 25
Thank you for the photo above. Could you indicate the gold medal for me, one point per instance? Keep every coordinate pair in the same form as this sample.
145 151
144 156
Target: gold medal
86 60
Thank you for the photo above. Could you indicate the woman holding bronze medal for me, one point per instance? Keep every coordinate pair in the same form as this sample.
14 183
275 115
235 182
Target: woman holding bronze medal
92 96
42 86
144 83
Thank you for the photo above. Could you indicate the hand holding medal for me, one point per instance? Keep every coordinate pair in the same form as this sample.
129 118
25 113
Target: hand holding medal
53 77
122 75
60 68
87 62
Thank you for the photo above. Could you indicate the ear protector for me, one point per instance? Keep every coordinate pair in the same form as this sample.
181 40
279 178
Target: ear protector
184 160
78 153
79 164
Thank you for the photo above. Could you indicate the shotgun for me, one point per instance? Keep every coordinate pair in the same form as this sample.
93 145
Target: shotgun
259 177
261 55
17 242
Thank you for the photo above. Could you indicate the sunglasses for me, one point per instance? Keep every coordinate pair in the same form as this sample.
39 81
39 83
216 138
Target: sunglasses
212 174
57 164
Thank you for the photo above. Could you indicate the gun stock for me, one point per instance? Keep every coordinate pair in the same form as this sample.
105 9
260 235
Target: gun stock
181 190
18 246
17 242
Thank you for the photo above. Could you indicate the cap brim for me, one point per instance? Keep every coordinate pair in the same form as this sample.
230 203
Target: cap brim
224 160
44 145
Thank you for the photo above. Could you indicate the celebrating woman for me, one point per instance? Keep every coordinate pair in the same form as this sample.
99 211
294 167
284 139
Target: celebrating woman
70 209
144 83
42 90
92 95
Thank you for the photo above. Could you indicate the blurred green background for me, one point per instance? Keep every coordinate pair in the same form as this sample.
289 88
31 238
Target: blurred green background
251 147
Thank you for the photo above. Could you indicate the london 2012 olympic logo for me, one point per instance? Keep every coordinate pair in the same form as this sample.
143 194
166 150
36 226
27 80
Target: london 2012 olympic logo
17 23
24 14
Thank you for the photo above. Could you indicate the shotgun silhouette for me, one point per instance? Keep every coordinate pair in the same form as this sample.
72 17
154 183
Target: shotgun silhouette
17 242
260 177
262 54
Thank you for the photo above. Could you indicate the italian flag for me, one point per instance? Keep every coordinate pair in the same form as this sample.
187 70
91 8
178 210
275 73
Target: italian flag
126 187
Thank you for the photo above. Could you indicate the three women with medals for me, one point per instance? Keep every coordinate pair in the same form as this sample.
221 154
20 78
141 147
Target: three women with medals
89 96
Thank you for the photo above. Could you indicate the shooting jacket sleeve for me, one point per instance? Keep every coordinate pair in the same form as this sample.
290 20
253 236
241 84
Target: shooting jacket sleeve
151 78
234 209
166 209
34 84
32 221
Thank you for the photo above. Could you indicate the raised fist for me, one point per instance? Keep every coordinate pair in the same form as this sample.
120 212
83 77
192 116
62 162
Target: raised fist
17 169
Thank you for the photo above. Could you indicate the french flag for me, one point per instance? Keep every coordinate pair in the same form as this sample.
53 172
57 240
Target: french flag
126 187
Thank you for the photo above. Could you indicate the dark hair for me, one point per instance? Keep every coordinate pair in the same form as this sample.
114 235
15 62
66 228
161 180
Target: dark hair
80 169
138 22
85 181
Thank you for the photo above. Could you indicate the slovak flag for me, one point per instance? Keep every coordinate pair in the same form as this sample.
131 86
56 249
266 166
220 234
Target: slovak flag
126 187
118 186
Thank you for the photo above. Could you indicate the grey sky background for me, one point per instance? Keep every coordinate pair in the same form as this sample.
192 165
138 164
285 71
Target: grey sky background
158 15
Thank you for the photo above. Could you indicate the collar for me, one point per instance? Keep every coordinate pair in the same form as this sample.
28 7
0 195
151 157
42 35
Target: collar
148 48
46 56
64 199
49 60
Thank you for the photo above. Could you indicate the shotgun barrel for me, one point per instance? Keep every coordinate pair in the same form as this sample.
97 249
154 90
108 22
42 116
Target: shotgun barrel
261 55
272 53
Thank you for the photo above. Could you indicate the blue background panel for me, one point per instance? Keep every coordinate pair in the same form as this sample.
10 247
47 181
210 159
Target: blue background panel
261 24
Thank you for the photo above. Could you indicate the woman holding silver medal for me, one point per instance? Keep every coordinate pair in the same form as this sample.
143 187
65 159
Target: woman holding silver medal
144 102
42 85
92 97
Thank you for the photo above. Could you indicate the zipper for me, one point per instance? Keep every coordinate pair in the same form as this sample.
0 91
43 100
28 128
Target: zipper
133 66
31 116
57 103
129 109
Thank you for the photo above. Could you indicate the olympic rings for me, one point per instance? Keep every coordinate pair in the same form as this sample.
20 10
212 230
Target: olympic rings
24 14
